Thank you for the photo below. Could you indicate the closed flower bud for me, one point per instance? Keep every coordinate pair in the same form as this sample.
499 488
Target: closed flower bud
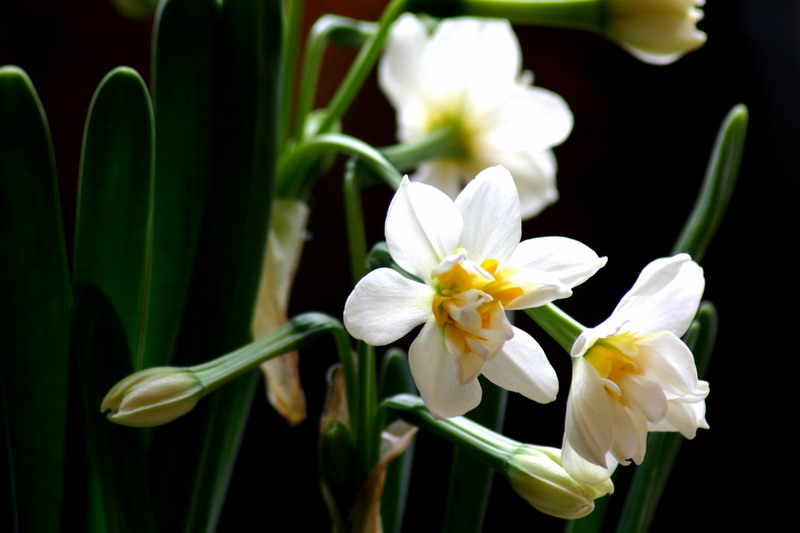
536 474
656 31
152 397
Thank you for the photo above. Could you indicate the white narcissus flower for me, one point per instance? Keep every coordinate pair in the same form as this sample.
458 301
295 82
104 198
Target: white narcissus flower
656 31
633 374
472 268
467 76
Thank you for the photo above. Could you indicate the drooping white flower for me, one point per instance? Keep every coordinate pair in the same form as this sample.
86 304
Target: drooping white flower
655 31
633 374
472 267
467 75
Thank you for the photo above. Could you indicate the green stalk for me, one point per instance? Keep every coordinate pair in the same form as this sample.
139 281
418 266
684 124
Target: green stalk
291 44
439 143
585 14
559 325
325 28
366 59
470 478
293 181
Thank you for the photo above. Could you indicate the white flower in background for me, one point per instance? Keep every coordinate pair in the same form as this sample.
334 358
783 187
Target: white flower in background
633 374
467 75
655 31
472 268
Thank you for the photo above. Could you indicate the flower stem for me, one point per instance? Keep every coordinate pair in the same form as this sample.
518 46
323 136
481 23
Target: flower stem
490 447
586 14
321 32
560 326
359 71
295 333
439 143
293 181
291 38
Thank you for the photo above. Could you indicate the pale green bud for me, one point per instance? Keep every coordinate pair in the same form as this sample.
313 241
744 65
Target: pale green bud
536 474
153 397
655 31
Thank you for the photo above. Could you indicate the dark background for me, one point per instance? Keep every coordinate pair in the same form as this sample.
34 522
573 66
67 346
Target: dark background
628 176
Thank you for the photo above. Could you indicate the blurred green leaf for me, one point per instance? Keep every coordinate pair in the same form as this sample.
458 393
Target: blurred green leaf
115 453
246 62
718 185
115 193
182 99
34 315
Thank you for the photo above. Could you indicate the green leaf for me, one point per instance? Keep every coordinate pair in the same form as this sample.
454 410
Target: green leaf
182 99
396 379
470 478
718 185
115 193
34 315
115 453
230 251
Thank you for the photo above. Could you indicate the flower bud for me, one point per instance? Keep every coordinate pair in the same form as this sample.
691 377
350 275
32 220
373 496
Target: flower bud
152 397
536 474
655 31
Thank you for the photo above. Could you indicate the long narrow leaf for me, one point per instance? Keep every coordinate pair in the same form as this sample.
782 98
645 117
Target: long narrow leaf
227 268
718 185
115 200
116 454
470 479
34 315
182 100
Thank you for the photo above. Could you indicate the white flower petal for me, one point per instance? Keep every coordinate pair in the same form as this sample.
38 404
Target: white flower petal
398 74
422 228
385 305
583 470
436 374
669 360
534 174
665 297
478 59
686 414
644 396
589 428
521 366
567 259
539 288
490 207
531 119
444 175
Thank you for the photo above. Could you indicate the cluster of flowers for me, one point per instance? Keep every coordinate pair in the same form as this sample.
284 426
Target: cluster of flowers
462 265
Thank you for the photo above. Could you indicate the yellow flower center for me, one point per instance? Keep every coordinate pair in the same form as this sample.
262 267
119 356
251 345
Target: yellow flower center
469 303
613 358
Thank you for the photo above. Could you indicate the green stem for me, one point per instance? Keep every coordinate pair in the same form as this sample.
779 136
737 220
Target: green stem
295 333
492 448
293 181
560 326
586 14
439 143
355 221
318 38
291 39
361 67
